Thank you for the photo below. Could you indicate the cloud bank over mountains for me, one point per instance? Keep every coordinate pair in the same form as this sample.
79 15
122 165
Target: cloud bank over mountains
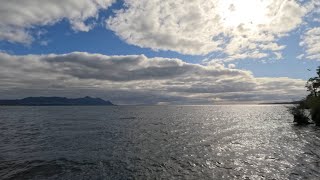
138 80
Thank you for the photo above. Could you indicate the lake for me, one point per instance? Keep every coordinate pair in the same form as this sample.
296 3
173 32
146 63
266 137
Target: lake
156 142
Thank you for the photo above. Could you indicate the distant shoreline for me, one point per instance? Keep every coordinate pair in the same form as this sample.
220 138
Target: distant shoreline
56 101
275 103
89 101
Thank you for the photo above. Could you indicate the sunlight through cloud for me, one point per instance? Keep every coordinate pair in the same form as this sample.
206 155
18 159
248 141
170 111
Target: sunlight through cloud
235 29
250 13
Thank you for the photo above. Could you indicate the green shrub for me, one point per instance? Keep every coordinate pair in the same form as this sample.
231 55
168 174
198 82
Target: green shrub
310 103
315 113
299 115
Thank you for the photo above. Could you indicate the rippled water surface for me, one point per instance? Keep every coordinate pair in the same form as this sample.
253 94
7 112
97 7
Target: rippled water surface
156 142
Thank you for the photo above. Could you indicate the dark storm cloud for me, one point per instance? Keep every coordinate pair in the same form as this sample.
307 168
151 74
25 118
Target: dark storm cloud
128 68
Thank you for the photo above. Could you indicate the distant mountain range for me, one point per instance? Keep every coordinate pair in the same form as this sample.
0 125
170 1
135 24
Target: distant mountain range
56 101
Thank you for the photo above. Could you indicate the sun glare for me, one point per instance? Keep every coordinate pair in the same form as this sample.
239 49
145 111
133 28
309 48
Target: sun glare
249 13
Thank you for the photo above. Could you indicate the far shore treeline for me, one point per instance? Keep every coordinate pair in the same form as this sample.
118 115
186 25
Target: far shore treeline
308 110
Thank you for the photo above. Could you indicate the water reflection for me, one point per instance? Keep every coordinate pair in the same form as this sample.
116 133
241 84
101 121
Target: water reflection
164 142
307 162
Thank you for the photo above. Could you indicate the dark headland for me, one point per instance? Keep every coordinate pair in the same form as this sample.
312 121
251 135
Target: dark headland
56 101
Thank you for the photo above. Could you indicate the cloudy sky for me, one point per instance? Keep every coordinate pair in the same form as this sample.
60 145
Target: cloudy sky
159 51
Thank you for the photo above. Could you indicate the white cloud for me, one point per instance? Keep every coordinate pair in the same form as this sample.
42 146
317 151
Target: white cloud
316 20
278 55
315 11
239 29
18 17
235 29
311 42
231 66
300 56
136 79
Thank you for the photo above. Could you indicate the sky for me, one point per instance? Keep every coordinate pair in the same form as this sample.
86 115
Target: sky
159 52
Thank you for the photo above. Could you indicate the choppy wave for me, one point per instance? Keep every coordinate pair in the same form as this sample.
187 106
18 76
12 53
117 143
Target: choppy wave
156 142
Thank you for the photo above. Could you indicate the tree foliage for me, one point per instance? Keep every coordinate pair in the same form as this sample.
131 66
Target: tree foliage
313 84
310 103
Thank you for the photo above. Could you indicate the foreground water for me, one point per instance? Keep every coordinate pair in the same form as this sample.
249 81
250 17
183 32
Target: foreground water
156 142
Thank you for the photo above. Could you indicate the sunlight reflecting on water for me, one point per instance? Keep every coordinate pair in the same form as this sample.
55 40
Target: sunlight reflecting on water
170 142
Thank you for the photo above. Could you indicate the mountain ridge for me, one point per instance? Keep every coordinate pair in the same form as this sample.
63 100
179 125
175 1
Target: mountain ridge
56 101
